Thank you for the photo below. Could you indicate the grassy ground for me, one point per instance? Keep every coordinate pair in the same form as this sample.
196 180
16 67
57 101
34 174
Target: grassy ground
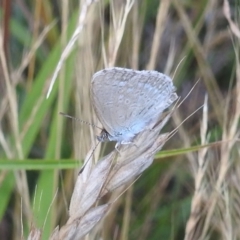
190 191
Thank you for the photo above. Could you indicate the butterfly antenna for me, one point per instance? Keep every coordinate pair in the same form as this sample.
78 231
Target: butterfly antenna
79 120
89 124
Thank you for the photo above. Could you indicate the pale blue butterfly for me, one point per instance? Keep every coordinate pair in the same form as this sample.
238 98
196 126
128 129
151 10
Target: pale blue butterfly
128 101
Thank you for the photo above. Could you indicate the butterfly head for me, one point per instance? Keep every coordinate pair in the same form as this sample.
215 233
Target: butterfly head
104 136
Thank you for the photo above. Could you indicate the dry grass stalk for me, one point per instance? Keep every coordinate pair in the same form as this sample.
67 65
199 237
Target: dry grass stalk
111 172
115 39
215 204
160 24
200 195
225 182
71 43
17 74
226 10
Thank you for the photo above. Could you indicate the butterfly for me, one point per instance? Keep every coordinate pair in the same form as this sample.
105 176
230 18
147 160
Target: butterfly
127 101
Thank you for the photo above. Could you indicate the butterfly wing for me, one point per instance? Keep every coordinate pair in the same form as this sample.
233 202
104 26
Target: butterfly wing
126 101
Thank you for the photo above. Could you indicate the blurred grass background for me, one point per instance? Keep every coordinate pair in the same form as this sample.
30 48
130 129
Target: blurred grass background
195 195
